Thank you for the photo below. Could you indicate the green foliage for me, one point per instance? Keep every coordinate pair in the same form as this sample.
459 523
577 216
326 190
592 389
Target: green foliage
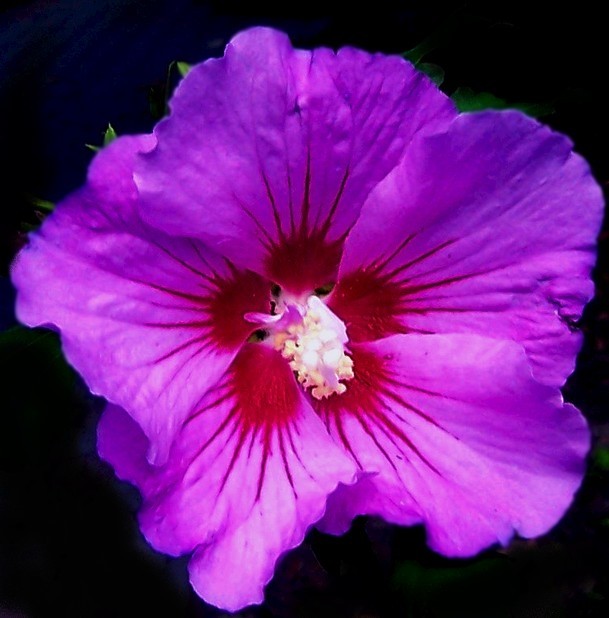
467 100
183 68
600 458
43 206
108 136
433 71
416 54
158 96
40 209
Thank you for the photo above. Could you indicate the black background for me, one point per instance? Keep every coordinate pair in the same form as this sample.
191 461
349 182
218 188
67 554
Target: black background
69 544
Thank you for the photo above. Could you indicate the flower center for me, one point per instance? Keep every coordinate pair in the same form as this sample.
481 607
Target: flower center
314 346
312 339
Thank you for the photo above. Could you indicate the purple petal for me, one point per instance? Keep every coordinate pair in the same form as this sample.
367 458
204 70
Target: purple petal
151 322
488 228
248 475
460 436
269 152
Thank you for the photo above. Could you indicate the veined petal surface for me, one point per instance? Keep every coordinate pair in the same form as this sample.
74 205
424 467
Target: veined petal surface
150 321
269 152
460 437
247 476
488 228
458 249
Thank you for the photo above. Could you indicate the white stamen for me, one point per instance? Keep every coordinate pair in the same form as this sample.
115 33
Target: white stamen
315 348
332 357
327 335
309 358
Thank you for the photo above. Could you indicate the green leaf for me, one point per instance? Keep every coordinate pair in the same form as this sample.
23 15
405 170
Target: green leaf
416 54
600 458
159 94
44 205
183 68
40 209
433 71
157 101
536 110
109 135
468 100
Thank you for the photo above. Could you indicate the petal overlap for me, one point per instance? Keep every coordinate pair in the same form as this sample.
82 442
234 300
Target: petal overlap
460 437
269 152
247 476
488 228
316 291
150 321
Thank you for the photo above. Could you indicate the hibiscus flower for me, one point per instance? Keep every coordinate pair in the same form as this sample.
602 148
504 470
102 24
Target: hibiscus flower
317 291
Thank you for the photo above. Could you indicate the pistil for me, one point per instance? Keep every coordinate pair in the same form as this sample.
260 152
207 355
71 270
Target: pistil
314 346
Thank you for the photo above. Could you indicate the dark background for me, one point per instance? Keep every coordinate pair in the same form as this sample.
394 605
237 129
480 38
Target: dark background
69 543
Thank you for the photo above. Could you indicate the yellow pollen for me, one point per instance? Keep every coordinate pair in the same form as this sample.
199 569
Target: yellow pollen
314 349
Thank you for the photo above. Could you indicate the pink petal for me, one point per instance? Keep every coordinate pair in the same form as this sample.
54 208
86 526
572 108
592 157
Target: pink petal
460 436
248 475
488 228
269 152
150 322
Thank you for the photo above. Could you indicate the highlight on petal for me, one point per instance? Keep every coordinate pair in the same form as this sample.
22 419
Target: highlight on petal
150 321
269 152
488 228
246 477
185 281
460 437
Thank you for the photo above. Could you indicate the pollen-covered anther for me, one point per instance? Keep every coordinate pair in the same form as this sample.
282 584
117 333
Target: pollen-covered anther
315 350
